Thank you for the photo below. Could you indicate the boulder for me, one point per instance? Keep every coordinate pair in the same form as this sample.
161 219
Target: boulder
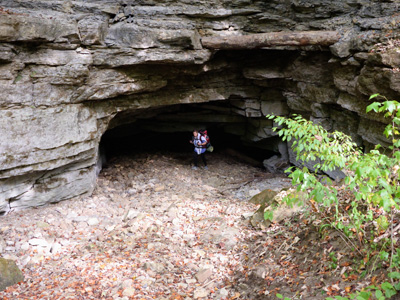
336 174
276 164
265 197
270 200
10 274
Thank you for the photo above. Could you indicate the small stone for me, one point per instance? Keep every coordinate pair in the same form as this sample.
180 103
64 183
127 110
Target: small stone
131 214
172 211
203 275
188 237
55 248
37 234
41 224
64 242
93 221
159 188
132 192
79 219
72 215
190 281
127 283
24 260
222 293
200 293
200 252
182 285
4 229
193 267
110 228
37 258
25 246
128 292
153 266
38 242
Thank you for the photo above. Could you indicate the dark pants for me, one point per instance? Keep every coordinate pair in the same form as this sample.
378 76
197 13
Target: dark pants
195 158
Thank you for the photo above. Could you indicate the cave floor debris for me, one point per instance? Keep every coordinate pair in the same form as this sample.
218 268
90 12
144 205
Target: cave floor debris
156 229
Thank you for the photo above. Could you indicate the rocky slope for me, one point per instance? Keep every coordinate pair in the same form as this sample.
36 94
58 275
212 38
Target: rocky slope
156 229
70 70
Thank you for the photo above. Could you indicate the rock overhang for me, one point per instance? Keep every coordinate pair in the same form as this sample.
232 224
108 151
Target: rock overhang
68 68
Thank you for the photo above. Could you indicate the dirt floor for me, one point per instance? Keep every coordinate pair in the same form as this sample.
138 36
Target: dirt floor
156 229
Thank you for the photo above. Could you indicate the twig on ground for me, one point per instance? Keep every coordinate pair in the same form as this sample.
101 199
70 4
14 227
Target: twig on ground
349 241
387 233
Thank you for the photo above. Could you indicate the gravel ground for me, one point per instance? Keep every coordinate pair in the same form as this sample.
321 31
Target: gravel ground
153 229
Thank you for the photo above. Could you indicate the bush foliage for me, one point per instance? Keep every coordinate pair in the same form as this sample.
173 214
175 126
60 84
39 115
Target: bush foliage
363 206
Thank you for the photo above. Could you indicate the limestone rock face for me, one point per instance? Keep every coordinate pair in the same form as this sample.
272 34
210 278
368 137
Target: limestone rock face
70 70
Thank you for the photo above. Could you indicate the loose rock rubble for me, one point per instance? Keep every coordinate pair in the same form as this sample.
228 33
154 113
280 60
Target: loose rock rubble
154 229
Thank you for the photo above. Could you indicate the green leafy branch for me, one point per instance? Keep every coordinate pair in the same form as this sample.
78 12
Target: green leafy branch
370 195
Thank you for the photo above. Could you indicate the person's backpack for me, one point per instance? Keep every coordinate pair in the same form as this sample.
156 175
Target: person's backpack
204 134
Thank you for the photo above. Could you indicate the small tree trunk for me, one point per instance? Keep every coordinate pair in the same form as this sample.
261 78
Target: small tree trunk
261 40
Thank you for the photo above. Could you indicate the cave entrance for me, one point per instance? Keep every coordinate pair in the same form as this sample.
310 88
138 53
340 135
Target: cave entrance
229 96
169 130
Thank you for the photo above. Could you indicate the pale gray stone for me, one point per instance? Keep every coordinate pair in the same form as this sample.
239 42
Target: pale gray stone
93 221
200 293
39 242
25 246
203 275
131 214
154 266
129 292
55 248
222 294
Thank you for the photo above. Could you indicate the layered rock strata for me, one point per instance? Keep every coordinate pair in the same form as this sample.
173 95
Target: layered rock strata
67 68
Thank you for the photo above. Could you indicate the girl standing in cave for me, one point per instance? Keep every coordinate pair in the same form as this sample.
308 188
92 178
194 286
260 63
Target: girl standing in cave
199 142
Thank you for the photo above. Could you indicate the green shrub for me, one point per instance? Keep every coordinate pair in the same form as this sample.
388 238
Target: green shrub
364 205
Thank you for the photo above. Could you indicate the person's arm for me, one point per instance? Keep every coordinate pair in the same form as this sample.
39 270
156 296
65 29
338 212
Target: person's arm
203 141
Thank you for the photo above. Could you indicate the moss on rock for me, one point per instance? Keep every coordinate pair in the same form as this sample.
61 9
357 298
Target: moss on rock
10 274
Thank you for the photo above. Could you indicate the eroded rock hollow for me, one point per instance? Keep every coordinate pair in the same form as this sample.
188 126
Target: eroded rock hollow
72 70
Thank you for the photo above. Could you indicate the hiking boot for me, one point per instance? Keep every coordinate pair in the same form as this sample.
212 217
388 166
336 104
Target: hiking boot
194 168
205 168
